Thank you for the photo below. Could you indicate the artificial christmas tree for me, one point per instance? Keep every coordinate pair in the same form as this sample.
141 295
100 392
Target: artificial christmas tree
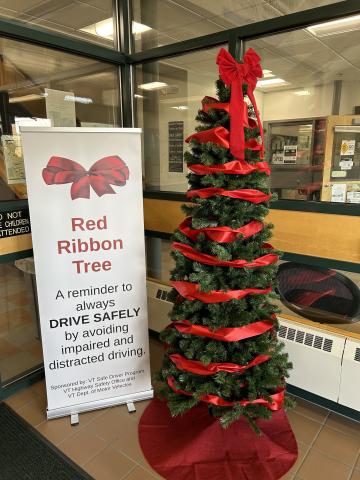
222 354
221 346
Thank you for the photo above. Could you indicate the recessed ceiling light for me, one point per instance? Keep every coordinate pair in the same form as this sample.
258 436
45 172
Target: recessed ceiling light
105 28
302 93
271 82
335 27
267 73
139 28
153 86
74 98
181 107
26 98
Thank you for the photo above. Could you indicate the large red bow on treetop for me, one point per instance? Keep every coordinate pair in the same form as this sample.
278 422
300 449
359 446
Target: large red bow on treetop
234 74
105 172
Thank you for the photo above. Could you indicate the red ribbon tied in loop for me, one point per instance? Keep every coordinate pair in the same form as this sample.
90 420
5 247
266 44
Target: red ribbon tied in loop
277 399
234 74
197 367
206 259
225 334
221 234
105 172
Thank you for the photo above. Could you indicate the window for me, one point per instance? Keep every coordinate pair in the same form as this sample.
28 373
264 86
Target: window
48 88
90 20
162 22
168 96
20 337
309 101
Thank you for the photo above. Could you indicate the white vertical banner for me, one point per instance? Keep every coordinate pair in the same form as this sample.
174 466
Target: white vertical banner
86 209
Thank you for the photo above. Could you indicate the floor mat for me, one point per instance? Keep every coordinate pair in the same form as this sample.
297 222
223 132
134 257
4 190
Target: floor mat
26 455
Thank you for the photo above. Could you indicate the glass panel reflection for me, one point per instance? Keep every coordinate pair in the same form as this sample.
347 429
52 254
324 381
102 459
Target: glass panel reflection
161 22
20 344
42 87
90 20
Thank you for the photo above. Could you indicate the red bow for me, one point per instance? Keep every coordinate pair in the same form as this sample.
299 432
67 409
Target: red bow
105 172
235 74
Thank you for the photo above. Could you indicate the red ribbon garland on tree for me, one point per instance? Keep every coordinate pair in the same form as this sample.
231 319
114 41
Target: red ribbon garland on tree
247 194
277 399
191 291
197 367
212 103
105 172
234 74
206 259
224 334
230 168
221 234
220 136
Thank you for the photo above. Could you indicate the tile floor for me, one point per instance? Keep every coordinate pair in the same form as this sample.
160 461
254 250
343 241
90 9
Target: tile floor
105 443
20 347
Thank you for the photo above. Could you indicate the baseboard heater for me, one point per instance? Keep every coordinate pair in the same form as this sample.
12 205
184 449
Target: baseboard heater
324 363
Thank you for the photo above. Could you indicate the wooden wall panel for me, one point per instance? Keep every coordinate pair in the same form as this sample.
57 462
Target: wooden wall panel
15 244
306 233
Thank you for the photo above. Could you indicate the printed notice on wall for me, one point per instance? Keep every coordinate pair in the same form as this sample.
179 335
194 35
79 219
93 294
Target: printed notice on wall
176 146
290 153
14 222
60 108
338 192
353 193
13 159
347 148
85 200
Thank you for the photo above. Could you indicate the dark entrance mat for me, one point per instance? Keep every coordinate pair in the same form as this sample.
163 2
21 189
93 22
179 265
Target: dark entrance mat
26 455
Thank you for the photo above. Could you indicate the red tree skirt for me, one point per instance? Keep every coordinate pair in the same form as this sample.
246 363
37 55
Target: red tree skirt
196 447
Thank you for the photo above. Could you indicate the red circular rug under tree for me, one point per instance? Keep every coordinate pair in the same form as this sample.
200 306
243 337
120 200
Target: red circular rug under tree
196 447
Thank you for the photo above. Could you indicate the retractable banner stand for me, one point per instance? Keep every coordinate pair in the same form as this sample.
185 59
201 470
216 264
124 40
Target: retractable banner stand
85 199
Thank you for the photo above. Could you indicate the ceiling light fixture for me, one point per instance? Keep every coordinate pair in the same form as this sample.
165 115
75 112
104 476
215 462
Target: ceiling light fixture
74 98
348 24
181 107
105 28
267 73
302 93
153 86
139 28
26 98
271 82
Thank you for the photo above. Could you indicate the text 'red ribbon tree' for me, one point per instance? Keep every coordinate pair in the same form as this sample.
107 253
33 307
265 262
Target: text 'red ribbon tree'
221 346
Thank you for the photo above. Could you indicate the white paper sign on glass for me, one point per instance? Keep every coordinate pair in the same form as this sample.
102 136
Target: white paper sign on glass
86 208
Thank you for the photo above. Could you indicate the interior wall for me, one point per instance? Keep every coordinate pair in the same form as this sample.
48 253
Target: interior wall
350 97
283 105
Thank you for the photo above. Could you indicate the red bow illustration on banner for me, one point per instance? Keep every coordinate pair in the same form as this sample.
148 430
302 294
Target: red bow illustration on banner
105 172
234 74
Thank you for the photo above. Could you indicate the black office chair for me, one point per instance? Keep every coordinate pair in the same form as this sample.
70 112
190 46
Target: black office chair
318 294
